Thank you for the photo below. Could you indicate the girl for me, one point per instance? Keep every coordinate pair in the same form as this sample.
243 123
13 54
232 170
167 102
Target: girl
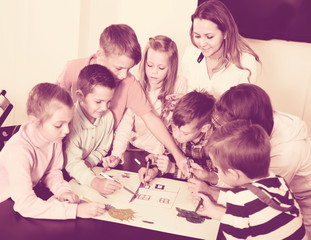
158 76
220 57
34 154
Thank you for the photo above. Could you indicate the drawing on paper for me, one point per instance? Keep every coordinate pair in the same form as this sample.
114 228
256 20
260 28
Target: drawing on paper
122 214
157 195
190 216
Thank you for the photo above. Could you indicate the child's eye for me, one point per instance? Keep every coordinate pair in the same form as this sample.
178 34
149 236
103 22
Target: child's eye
161 68
58 126
209 37
149 65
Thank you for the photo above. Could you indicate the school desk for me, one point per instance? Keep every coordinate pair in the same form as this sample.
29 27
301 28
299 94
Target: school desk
15 227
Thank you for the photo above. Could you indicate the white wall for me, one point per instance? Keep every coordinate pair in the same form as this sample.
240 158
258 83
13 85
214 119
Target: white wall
286 75
39 36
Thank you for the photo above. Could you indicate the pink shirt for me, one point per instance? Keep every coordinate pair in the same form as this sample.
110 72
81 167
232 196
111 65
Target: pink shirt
26 159
128 93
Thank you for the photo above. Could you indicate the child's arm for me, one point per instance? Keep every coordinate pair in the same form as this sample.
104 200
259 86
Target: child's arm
158 129
90 210
24 170
122 134
210 209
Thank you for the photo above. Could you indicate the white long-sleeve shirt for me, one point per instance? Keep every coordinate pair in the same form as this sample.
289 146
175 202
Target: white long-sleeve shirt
198 78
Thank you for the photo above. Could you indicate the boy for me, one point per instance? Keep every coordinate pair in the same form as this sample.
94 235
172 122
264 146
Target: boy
191 128
92 130
119 51
260 205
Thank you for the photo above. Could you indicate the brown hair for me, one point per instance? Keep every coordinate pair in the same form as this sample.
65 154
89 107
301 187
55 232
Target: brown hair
120 39
40 97
93 75
234 44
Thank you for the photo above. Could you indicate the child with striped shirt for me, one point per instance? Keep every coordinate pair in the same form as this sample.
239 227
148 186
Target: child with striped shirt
260 204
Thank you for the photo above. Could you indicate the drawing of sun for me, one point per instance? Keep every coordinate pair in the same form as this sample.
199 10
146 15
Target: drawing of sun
122 214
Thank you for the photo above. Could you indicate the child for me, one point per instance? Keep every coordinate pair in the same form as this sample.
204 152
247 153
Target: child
92 130
158 76
191 128
34 154
290 141
119 51
260 205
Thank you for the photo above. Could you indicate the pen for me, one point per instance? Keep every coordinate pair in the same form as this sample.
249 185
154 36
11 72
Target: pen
189 166
199 204
147 168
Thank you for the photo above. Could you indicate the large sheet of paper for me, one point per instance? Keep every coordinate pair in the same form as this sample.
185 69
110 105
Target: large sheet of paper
155 206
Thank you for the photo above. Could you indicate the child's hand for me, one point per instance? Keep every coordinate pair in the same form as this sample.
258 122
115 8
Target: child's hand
146 178
164 164
208 208
153 157
105 186
110 162
89 210
196 185
69 196
198 171
171 101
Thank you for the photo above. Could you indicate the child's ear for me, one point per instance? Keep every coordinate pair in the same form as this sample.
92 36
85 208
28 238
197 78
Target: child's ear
234 174
34 120
80 95
100 53
205 127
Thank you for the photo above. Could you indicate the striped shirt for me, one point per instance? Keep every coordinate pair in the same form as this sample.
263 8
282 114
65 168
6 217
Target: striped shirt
247 217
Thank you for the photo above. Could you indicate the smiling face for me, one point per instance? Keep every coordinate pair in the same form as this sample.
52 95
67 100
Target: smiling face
207 37
156 65
95 103
119 65
56 127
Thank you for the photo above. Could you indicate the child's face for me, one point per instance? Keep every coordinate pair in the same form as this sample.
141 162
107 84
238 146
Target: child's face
119 65
55 128
96 103
156 66
186 133
207 37
227 177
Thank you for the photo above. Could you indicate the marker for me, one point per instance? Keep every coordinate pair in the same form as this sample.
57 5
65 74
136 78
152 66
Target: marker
145 221
189 166
113 179
137 161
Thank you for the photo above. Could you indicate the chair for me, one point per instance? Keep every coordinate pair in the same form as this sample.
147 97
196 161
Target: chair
6 132
6 107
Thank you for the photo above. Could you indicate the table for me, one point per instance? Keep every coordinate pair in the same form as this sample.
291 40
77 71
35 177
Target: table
15 227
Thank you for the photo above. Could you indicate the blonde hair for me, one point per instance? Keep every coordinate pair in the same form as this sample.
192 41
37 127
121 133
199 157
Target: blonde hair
40 98
165 45
234 44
